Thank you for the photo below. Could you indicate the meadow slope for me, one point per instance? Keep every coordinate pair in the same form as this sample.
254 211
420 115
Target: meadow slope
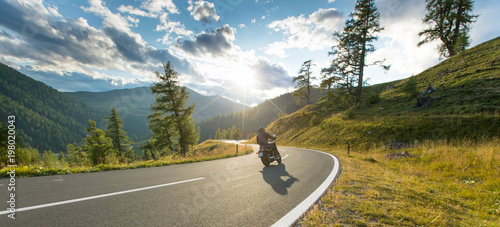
449 175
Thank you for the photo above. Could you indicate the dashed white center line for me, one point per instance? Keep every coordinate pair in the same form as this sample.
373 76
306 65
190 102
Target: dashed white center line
99 196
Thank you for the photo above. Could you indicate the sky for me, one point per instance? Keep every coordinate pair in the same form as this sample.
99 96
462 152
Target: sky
244 50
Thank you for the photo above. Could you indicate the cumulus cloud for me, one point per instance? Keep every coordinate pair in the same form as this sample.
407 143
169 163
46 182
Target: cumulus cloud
203 11
269 76
170 28
159 6
151 8
217 43
39 38
313 32
83 82
29 35
159 9
134 11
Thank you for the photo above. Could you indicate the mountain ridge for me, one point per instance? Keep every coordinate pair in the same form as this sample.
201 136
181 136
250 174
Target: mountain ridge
45 118
133 105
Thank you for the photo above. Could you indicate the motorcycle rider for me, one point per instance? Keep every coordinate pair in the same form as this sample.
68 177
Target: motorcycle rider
263 136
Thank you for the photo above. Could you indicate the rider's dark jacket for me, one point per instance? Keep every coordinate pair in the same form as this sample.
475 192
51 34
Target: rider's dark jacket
262 138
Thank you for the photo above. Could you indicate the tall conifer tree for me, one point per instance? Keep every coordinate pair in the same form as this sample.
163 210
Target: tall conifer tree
353 44
449 22
97 145
118 136
218 134
171 121
303 82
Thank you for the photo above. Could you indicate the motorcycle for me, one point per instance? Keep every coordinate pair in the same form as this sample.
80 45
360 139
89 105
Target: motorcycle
268 154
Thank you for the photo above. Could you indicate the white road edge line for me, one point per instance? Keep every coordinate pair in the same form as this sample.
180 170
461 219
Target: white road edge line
284 157
99 196
300 209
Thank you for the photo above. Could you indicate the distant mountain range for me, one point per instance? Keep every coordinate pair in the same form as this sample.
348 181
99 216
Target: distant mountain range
50 120
211 112
133 106
45 118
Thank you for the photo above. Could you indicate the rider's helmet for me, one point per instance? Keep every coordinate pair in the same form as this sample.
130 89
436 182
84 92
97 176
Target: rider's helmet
261 129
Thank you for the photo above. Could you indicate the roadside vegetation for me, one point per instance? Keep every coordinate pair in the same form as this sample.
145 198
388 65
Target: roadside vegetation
404 164
32 164
444 183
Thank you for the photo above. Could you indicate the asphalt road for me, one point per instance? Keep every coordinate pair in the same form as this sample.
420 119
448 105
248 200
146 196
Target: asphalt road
236 191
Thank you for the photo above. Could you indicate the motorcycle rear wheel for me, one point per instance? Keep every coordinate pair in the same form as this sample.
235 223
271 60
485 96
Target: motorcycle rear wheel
265 160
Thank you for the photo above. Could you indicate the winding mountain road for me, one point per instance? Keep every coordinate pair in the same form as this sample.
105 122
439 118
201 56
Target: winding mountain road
236 191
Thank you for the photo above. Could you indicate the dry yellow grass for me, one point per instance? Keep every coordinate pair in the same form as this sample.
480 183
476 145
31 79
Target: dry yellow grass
444 184
208 150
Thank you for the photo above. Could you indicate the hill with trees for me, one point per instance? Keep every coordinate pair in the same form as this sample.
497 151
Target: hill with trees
458 98
261 115
134 105
418 151
45 118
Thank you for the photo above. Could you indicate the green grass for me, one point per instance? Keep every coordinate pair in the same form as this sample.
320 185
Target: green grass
466 105
444 184
453 177
208 150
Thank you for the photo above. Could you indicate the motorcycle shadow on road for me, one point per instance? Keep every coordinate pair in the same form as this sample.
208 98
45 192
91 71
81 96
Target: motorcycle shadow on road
273 176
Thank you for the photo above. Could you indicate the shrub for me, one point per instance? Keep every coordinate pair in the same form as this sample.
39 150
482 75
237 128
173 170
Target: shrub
49 159
374 99
410 87
315 121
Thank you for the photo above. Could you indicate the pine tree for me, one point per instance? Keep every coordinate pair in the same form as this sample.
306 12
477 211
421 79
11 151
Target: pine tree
231 132
354 43
49 159
118 136
3 144
218 134
251 135
237 134
97 145
303 82
76 157
224 134
62 160
148 152
449 22
171 122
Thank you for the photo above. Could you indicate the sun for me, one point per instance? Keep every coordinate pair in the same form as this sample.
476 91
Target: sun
244 81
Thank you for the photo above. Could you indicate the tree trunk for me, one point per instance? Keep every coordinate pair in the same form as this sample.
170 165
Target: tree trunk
361 71
308 88
458 22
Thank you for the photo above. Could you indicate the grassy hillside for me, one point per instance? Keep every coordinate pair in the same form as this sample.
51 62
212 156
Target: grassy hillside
450 177
466 104
444 184
133 106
